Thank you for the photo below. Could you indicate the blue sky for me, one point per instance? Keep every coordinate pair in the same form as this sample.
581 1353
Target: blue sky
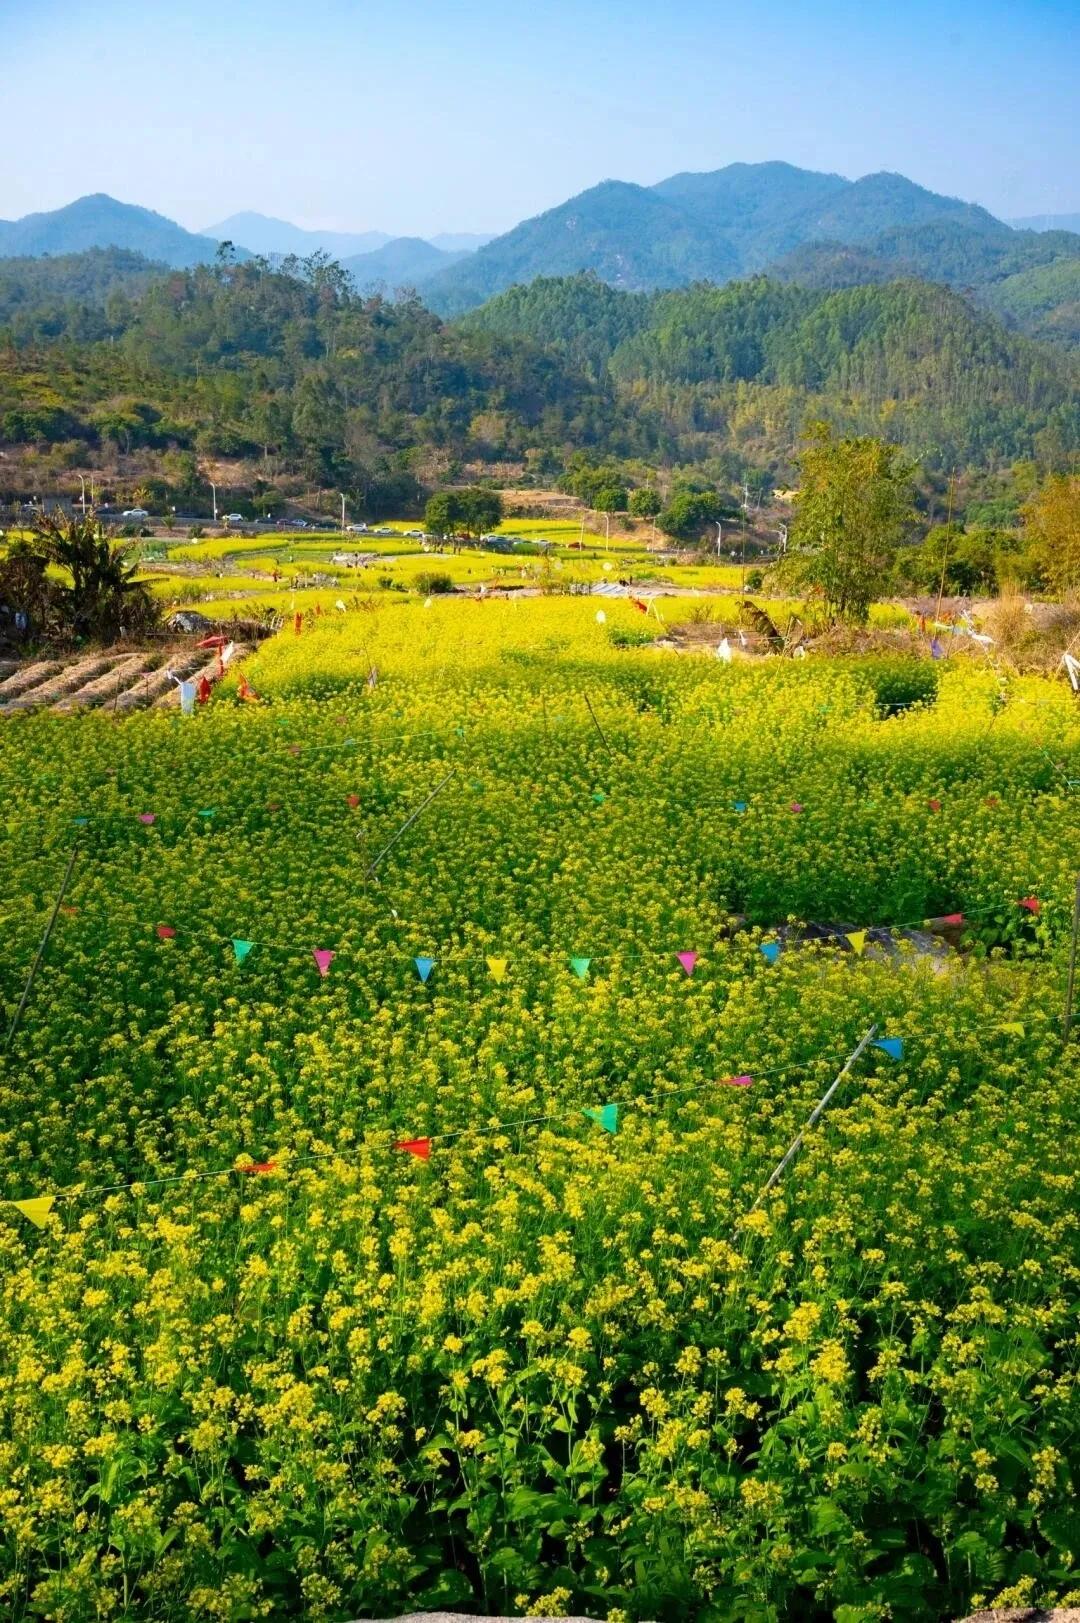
421 116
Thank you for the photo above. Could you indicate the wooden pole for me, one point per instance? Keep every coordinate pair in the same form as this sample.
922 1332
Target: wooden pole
17 1016
812 1120
1066 1024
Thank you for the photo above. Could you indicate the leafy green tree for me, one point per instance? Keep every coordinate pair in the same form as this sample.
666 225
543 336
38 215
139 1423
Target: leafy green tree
481 510
854 503
443 514
688 512
610 499
645 503
1052 526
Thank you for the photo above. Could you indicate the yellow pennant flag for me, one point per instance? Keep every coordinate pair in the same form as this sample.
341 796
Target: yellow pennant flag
1014 1028
37 1210
497 968
858 940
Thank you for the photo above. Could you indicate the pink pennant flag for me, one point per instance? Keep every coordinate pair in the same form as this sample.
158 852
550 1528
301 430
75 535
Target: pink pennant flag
687 960
1032 903
273 805
796 805
951 918
147 817
323 957
737 1081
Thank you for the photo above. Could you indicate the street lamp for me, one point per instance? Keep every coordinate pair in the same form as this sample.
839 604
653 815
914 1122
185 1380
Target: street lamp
82 482
343 512
719 536
213 492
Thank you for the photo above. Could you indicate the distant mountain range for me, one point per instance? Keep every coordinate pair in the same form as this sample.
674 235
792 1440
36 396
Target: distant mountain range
1047 222
265 235
99 221
799 226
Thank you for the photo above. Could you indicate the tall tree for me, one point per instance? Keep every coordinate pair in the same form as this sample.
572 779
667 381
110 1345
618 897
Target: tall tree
854 504
1052 523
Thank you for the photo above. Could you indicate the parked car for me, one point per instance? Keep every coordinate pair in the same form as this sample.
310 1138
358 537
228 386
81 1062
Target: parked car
356 529
235 518
135 512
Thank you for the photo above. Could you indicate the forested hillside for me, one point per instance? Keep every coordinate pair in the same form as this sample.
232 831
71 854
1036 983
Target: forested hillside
293 374
746 363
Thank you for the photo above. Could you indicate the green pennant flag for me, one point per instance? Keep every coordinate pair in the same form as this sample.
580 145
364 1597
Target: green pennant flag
208 811
607 1117
580 966
599 796
241 949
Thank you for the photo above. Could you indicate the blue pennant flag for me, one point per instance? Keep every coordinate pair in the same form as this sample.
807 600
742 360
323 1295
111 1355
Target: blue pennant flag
770 951
740 805
424 966
893 1046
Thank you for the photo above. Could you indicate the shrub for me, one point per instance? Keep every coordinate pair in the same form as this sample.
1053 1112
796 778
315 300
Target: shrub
430 582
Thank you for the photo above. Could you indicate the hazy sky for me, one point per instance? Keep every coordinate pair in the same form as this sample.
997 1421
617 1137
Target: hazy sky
431 115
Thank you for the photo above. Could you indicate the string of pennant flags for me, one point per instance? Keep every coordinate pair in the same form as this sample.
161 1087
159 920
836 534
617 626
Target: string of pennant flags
607 1116
498 967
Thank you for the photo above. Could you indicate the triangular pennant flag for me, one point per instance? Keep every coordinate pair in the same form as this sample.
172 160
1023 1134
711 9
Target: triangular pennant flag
770 951
1014 1028
935 805
420 1147
497 968
147 817
740 805
893 1046
936 650
796 805
601 618
737 1081
323 957
37 1210
353 801
1032 903
599 796
950 918
187 698
857 938
424 966
607 1117
687 960
208 811
259 1166
166 932
241 949
580 966
80 822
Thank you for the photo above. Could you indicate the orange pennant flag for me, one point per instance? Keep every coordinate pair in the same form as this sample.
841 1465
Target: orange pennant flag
420 1147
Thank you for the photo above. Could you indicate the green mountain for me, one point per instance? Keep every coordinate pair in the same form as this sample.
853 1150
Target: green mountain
713 226
1043 302
100 221
402 262
67 294
742 366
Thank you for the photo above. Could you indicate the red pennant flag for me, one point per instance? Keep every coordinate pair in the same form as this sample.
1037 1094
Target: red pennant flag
298 622
273 805
70 909
294 749
323 957
353 800
243 691
259 1166
951 918
687 960
992 800
420 1147
166 932
643 608
1032 903
935 805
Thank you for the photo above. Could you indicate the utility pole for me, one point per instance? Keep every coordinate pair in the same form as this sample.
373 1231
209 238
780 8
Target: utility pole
213 492
343 512
82 482
719 536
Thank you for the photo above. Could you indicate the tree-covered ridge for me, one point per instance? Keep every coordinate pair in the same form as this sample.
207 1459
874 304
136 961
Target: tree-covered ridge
1043 302
751 360
66 295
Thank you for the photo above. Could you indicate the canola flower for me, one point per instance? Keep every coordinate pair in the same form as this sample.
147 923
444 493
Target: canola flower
550 1365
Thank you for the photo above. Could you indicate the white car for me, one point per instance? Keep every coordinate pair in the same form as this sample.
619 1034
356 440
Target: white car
356 529
235 518
135 512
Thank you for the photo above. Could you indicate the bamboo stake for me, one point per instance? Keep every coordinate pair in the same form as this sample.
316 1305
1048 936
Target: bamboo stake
814 1116
409 822
17 1016
1066 1025
597 725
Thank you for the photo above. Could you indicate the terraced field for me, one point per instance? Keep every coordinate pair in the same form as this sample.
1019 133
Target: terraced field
115 681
